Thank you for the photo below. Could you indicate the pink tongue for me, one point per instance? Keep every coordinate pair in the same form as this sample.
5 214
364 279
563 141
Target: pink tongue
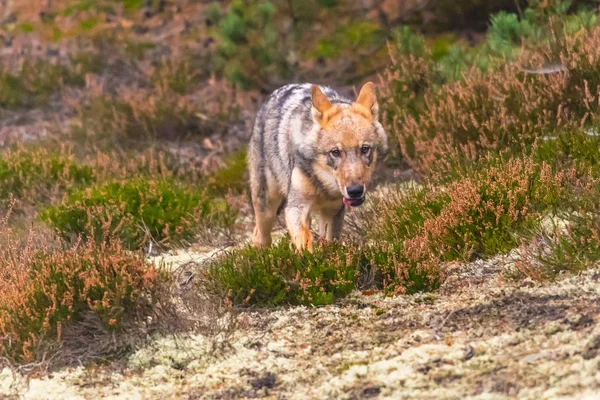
347 201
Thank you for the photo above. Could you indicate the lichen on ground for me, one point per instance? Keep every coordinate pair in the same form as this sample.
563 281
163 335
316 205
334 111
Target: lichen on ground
479 336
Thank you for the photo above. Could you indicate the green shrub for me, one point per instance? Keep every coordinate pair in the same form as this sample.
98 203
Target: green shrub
280 276
180 77
138 210
571 240
35 81
408 208
575 149
31 86
248 47
259 40
390 267
350 38
574 248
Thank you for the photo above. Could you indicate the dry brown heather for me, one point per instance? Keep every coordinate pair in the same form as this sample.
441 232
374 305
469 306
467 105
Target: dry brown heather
45 287
133 117
476 216
510 106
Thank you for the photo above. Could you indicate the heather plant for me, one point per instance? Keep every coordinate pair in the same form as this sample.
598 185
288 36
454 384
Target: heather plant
138 210
576 149
478 215
136 118
35 81
151 164
45 287
392 268
179 76
39 176
573 246
549 86
570 242
279 275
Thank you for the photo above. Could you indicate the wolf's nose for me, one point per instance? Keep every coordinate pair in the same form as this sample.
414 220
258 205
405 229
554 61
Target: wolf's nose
355 191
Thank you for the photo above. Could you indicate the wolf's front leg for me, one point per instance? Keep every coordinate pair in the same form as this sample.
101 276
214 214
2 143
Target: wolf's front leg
297 219
300 201
331 221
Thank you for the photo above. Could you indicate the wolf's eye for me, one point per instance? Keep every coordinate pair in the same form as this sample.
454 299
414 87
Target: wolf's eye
365 149
335 152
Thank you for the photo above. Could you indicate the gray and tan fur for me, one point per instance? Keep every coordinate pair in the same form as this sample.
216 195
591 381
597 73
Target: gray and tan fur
317 150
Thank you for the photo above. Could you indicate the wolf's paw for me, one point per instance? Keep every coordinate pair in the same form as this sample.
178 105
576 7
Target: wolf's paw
303 239
260 239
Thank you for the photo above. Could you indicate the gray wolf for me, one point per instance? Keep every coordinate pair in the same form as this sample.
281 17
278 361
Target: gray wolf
315 150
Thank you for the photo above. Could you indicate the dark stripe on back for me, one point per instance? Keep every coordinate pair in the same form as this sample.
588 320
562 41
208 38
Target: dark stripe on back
262 178
286 96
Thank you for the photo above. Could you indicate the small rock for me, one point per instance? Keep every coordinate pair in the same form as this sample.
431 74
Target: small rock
371 391
532 358
591 348
268 380
469 353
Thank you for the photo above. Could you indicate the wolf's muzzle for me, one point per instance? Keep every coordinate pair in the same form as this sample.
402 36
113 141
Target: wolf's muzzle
356 195
355 191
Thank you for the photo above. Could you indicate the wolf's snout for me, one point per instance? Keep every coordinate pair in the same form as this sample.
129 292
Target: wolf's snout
355 191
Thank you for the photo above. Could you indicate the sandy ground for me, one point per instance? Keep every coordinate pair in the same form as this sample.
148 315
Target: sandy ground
478 337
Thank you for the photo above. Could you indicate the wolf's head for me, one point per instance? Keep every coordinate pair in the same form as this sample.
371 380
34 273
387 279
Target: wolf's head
349 142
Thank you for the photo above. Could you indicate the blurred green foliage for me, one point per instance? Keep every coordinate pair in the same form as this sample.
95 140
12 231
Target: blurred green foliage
259 40
248 42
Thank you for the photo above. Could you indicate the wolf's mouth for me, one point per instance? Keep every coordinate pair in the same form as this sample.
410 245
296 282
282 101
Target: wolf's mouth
353 202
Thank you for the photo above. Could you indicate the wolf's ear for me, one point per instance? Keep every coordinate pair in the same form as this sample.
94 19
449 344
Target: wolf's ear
367 101
321 106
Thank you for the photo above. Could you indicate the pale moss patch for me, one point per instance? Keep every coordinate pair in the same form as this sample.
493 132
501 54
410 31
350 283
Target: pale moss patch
340 350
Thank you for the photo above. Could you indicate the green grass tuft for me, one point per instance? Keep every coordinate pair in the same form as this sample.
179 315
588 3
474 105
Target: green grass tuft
138 210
